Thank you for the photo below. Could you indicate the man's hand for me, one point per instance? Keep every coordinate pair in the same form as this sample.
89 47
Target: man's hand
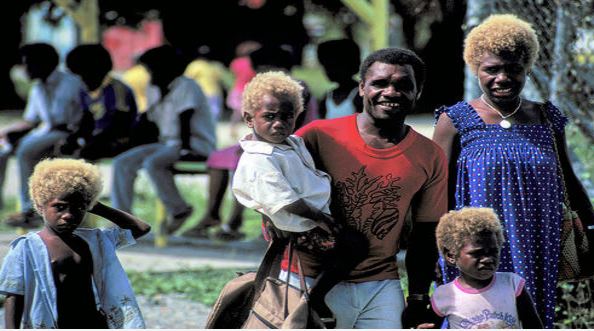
426 326
416 312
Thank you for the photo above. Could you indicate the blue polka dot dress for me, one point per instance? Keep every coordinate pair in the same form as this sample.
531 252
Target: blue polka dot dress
514 171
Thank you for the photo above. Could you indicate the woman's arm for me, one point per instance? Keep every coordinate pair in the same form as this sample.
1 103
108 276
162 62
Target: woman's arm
121 219
527 312
446 136
13 311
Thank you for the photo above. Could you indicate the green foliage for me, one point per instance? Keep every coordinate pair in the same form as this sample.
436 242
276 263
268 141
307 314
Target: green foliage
315 78
583 150
10 207
575 306
202 285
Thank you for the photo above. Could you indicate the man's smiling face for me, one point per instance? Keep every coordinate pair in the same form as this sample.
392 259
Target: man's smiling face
389 91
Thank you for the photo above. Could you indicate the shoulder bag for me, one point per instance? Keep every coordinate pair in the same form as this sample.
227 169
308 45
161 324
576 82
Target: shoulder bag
259 300
575 256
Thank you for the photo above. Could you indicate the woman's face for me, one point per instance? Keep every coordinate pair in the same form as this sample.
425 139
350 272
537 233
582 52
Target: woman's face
501 78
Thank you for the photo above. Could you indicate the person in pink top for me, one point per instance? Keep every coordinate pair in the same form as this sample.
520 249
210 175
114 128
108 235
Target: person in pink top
480 297
243 70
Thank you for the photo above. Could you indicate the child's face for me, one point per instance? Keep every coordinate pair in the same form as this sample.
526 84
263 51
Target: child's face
479 258
64 214
274 121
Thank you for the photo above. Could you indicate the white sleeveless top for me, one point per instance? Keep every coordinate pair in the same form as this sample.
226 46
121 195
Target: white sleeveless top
346 107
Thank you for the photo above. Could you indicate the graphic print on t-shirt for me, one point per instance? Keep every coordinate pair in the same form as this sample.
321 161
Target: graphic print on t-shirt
370 204
489 320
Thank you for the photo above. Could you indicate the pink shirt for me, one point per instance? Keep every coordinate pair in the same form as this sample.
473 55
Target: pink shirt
492 307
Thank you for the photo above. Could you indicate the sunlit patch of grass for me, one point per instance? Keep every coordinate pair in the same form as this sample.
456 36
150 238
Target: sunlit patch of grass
202 285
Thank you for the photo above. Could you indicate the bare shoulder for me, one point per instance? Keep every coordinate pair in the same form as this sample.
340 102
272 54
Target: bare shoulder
532 112
444 126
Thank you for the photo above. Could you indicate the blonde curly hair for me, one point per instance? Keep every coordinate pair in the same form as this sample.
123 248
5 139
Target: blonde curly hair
53 178
499 34
275 83
456 228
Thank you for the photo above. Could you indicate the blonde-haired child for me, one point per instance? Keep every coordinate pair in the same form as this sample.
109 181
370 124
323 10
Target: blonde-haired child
276 175
64 276
480 297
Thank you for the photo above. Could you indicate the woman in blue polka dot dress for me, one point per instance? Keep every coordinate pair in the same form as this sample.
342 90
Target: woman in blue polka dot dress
505 156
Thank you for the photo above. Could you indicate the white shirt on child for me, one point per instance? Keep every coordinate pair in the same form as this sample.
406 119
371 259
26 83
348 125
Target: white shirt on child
26 271
272 176
492 307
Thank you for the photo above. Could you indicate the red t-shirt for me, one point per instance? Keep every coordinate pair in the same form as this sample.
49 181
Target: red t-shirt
372 189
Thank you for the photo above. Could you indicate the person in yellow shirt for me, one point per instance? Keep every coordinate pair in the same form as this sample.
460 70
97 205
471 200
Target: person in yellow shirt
209 75
138 79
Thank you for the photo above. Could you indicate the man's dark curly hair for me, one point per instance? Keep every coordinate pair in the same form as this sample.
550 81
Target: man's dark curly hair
398 56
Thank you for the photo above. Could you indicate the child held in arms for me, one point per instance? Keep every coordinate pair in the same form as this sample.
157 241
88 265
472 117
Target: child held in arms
65 276
276 175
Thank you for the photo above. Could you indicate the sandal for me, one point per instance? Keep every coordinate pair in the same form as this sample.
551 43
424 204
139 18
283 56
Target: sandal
174 223
29 220
196 233
231 235
201 229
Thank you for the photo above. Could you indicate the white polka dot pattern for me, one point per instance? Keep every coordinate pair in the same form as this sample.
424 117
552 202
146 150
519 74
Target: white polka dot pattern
514 171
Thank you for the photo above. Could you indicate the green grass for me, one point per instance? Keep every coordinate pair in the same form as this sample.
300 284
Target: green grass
202 285
10 207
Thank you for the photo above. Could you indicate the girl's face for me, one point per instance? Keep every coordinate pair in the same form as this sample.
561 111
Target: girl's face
501 78
274 121
478 260
64 214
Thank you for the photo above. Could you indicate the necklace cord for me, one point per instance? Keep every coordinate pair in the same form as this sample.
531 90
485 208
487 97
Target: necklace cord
498 111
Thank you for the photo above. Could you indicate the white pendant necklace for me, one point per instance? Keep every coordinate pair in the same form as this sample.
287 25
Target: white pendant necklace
504 122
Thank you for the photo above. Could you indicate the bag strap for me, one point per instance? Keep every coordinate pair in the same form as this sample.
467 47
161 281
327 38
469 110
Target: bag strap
558 161
286 299
271 260
302 283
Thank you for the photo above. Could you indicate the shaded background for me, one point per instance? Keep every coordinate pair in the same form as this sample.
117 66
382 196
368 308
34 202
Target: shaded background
432 28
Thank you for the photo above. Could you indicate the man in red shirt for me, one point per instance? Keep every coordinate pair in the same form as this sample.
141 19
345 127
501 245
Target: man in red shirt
381 169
